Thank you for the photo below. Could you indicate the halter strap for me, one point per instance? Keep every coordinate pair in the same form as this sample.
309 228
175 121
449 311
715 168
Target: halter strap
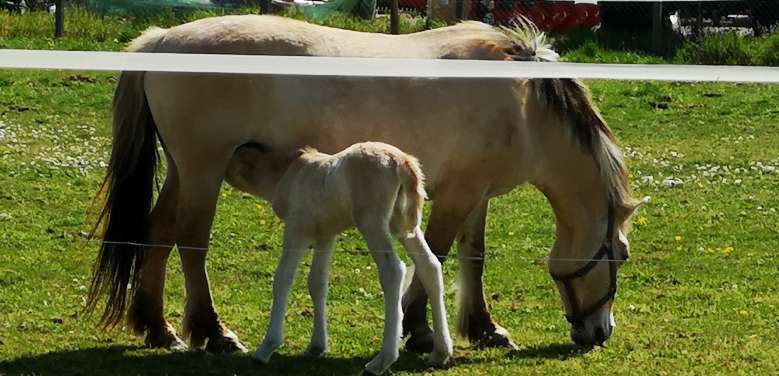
578 315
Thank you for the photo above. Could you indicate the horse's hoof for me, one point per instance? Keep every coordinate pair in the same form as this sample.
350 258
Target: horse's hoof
498 338
225 344
420 343
167 340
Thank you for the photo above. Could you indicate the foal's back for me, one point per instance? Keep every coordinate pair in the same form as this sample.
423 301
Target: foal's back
363 182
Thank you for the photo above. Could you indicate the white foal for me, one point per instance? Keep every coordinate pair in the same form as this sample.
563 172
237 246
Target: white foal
372 186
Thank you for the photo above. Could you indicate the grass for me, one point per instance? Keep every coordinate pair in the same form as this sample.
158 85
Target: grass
619 46
698 297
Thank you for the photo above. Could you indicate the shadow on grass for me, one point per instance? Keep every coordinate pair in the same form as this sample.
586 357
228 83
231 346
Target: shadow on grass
132 360
550 351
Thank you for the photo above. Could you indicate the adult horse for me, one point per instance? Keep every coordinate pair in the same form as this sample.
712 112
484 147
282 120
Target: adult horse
476 139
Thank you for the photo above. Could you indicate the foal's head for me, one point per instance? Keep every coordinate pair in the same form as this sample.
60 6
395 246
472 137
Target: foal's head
256 169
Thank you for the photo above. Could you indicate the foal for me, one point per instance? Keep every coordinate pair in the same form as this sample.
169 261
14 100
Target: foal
372 186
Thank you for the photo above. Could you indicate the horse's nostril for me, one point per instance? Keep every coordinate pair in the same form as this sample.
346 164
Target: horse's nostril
599 337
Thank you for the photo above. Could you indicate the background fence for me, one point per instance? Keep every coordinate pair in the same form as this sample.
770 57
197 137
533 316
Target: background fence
707 32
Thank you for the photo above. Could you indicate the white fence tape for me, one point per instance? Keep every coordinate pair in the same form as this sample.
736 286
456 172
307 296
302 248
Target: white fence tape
374 67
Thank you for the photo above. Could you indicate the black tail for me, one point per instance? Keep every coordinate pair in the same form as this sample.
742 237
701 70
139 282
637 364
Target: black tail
130 182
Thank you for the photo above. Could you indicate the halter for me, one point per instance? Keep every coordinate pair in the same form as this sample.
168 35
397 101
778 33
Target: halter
578 315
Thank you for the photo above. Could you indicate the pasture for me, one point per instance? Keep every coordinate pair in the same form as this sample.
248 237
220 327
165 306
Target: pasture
699 295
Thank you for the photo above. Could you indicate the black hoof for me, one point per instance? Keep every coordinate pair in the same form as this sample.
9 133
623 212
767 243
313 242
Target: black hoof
420 343
496 339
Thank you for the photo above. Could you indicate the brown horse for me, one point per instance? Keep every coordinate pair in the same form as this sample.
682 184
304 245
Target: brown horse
475 139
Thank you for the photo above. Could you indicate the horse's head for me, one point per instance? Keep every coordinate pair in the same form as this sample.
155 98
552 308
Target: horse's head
584 267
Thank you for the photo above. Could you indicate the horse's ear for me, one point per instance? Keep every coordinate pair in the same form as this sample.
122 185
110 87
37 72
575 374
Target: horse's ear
625 211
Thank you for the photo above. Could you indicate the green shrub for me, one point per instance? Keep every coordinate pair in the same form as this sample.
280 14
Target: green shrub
720 49
769 51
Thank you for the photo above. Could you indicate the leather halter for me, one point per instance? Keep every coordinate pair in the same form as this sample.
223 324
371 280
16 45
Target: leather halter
578 315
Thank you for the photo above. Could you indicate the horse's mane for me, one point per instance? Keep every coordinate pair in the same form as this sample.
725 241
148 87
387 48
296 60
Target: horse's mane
530 43
571 100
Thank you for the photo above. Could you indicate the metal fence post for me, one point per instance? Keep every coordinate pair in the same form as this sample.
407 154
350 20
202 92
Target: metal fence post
394 17
59 18
657 27
265 6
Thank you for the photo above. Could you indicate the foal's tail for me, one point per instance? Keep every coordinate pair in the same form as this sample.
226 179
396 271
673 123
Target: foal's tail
412 192
129 187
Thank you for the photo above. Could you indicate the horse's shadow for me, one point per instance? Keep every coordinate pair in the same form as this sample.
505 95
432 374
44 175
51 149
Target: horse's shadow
133 360
551 351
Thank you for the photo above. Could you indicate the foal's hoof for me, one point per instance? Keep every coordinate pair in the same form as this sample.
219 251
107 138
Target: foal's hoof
225 344
167 340
439 359
498 338
420 343
315 351
381 363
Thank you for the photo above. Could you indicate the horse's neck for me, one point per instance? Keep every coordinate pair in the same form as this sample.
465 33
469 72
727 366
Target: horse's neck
571 181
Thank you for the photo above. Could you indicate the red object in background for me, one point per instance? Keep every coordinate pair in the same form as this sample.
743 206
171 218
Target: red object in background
419 5
557 17
579 16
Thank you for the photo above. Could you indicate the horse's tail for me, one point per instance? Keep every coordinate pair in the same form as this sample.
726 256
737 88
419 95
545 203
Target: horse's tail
412 192
129 186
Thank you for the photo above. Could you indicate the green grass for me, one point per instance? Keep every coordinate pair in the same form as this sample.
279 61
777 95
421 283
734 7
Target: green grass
698 297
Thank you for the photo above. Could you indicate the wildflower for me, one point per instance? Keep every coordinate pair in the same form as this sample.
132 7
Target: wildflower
258 206
743 313
678 238
263 222
727 250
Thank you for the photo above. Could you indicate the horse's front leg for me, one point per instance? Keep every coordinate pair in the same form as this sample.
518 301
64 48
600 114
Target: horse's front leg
451 206
294 248
198 194
145 315
473 319
317 288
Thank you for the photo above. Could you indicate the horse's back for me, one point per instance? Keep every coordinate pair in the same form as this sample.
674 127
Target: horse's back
273 35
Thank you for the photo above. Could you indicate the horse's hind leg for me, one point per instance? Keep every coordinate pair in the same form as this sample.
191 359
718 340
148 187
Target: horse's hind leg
391 271
473 319
146 314
428 269
317 288
294 248
198 193
451 207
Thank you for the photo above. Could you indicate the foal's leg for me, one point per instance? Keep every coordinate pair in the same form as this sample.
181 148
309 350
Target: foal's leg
391 271
294 248
473 319
198 194
428 269
317 288
145 314
450 208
